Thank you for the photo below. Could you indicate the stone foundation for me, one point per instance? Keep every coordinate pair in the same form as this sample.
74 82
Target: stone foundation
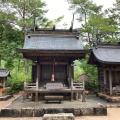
112 99
97 111
6 97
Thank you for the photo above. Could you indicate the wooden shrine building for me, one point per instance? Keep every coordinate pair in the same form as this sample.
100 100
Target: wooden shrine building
107 58
52 52
3 79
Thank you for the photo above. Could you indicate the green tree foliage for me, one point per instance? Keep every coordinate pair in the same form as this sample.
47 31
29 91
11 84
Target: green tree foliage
10 39
114 15
99 28
15 17
84 8
16 81
89 70
77 70
25 11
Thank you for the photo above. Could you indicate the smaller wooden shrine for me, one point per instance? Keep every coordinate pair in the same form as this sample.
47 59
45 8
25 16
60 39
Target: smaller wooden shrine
106 56
3 79
52 52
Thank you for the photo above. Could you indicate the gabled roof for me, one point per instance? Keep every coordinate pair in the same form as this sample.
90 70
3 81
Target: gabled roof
4 72
52 42
49 39
107 53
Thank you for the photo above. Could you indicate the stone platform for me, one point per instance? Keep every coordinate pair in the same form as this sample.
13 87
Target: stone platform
5 97
112 99
37 109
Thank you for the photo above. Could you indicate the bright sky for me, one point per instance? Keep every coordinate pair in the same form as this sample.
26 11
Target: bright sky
58 8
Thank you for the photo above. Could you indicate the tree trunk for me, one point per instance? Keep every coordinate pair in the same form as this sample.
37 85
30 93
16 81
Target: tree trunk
24 29
0 61
88 32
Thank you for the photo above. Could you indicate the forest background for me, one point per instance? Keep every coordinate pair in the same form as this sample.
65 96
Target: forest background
18 16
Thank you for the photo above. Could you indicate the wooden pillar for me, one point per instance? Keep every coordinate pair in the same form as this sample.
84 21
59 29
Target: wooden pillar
37 82
24 96
36 96
105 79
117 76
71 81
69 76
110 81
38 73
4 82
72 90
72 71
83 94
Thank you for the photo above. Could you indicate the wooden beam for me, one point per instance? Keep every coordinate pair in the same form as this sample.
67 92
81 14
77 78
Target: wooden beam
56 63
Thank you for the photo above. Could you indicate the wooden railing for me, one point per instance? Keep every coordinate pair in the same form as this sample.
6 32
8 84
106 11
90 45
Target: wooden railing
30 85
116 89
79 85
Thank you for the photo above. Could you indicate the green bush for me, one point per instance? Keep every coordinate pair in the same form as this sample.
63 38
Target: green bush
89 70
16 82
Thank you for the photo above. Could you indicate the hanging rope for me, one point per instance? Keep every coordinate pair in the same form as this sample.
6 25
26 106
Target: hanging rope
52 79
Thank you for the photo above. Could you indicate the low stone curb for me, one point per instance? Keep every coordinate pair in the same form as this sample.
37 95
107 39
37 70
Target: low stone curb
4 98
112 106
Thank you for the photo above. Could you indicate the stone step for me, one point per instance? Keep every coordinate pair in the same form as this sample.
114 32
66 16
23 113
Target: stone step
59 116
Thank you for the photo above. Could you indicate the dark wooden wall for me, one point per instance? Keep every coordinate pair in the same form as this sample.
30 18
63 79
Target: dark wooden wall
100 75
60 73
46 71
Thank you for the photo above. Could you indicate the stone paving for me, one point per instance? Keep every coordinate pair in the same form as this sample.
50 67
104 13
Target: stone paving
18 104
102 101
30 108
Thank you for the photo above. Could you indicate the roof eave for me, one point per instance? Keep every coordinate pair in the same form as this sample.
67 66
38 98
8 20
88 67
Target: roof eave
101 61
53 51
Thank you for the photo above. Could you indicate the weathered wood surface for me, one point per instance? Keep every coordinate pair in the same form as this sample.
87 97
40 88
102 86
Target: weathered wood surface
54 86
52 98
